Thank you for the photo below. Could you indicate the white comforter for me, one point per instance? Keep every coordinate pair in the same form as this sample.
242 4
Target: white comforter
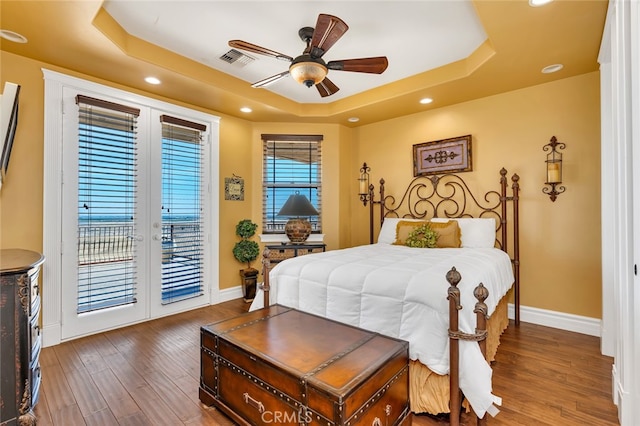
401 292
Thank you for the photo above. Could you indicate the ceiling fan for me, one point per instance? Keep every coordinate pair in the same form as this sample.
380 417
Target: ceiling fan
309 68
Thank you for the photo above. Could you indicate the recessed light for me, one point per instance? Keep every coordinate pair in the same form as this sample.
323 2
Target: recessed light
353 119
538 3
246 109
425 101
551 68
13 36
152 80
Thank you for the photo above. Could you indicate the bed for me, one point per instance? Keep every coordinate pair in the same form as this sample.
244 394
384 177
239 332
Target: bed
416 294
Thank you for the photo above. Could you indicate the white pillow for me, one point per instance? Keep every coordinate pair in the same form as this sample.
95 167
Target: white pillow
474 232
387 233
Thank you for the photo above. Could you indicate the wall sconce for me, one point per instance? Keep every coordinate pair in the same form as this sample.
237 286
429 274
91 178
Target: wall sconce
363 183
554 168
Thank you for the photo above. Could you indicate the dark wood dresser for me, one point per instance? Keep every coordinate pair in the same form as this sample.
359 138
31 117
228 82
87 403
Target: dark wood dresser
20 340
283 366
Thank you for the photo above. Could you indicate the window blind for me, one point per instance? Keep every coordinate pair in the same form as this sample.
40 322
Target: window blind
107 161
291 163
182 209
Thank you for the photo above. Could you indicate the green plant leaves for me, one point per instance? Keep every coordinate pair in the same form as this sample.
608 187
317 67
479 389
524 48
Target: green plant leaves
422 237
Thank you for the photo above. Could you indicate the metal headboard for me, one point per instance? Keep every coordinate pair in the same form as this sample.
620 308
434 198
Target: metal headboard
449 196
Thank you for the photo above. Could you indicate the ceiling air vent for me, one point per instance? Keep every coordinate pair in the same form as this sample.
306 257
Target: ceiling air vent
237 58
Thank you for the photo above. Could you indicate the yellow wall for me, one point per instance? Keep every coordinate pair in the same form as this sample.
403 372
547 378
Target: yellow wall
235 158
560 241
21 193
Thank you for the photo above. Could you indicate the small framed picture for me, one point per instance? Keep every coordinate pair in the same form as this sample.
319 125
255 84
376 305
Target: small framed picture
445 156
234 188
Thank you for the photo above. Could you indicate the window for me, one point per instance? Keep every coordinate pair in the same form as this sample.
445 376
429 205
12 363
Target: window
291 163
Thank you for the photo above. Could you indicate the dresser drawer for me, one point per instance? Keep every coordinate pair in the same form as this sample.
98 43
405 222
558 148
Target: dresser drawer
35 293
36 381
281 252
34 308
36 344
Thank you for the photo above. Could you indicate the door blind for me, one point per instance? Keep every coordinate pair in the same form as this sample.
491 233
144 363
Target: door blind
107 161
182 209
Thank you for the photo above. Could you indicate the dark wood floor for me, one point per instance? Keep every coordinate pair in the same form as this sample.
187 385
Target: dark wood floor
148 374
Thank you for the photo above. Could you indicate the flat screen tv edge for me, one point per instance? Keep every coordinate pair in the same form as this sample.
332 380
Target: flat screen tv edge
8 124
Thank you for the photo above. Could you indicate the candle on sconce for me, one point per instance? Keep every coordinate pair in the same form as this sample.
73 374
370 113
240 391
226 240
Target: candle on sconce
363 186
553 172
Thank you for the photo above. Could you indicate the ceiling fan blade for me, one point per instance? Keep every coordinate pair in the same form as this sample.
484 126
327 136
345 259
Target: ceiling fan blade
327 31
327 88
270 80
375 65
254 48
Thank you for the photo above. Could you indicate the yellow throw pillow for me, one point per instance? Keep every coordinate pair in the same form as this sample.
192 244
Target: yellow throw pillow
404 228
448 234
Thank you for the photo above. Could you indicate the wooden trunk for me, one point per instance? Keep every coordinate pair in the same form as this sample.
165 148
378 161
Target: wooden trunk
280 365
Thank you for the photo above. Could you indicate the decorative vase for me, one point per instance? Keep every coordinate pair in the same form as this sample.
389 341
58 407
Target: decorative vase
298 230
249 281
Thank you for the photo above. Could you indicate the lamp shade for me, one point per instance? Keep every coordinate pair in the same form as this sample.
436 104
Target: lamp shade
297 229
298 205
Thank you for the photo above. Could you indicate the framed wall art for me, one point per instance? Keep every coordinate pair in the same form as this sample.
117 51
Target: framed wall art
445 156
234 188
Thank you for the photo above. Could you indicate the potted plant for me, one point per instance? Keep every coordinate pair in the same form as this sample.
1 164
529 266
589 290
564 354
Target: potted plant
246 251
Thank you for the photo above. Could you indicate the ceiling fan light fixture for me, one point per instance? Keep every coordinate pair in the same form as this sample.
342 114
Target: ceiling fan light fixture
308 73
309 68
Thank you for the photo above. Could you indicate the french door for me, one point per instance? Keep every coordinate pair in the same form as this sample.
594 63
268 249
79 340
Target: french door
134 225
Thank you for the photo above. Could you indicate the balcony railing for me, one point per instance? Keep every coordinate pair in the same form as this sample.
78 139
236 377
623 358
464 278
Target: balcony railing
277 227
114 242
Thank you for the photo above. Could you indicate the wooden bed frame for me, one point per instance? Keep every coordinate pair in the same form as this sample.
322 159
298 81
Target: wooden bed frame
449 196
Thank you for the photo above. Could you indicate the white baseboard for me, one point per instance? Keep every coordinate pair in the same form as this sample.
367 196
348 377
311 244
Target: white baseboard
561 320
51 335
229 294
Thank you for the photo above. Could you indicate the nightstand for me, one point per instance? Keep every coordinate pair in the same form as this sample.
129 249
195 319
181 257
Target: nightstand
282 251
